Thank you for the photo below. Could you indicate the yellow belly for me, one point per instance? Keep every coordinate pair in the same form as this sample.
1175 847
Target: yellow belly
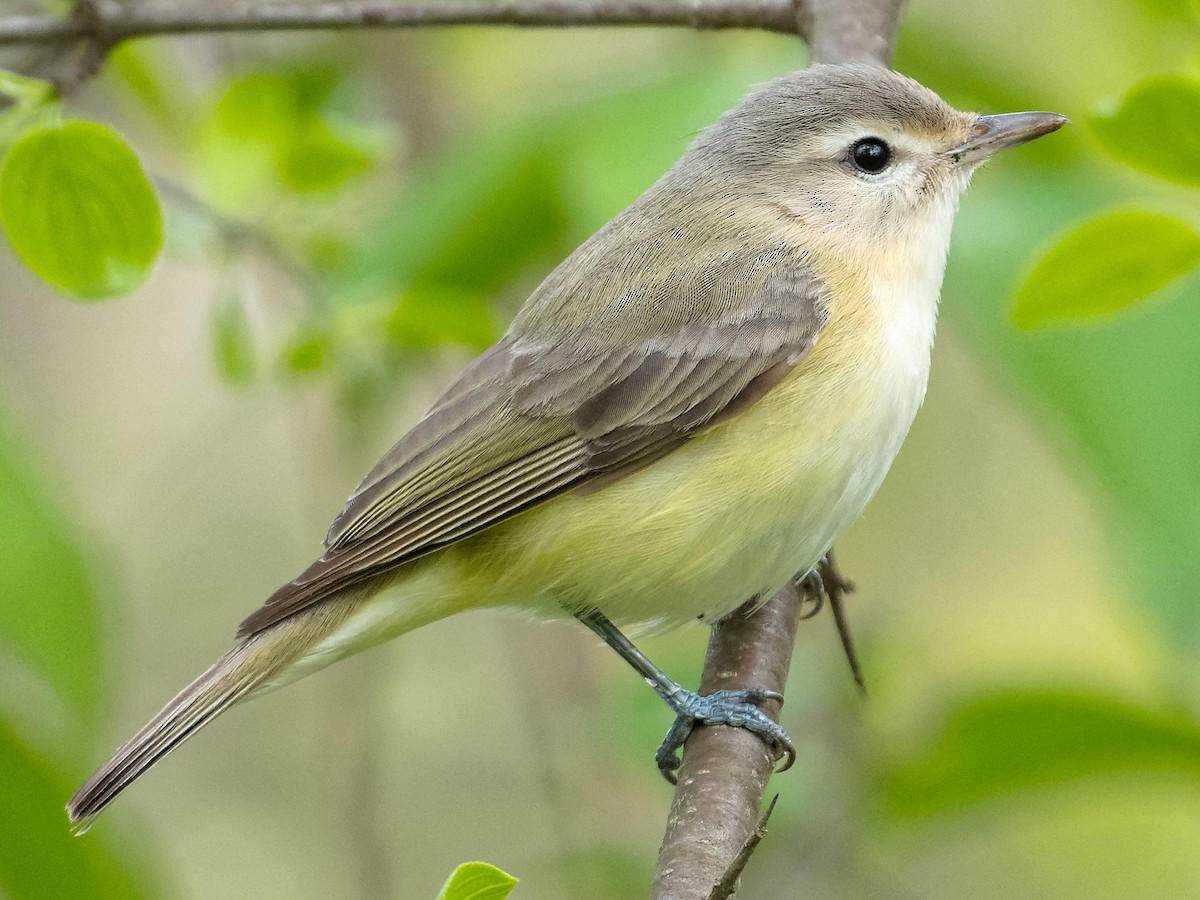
729 516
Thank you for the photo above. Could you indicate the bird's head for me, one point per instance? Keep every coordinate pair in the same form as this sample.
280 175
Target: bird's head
858 153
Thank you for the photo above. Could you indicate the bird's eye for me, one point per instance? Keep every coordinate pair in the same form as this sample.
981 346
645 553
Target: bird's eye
870 155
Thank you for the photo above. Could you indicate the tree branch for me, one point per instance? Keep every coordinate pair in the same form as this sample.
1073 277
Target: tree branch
725 770
107 24
851 31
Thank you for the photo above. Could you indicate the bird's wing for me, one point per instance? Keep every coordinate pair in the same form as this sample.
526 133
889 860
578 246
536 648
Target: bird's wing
541 413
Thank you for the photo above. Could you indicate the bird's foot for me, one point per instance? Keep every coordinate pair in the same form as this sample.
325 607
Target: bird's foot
811 588
737 709
824 580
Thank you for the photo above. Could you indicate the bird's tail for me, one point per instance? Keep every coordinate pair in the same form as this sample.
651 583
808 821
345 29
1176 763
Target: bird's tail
271 658
235 675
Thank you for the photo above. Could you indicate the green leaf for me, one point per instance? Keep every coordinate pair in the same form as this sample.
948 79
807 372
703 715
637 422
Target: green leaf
278 127
149 72
233 343
39 857
467 229
324 153
308 351
266 105
79 210
23 89
432 316
1154 129
1105 265
49 617
1000 745
472 222
477 881
1119 396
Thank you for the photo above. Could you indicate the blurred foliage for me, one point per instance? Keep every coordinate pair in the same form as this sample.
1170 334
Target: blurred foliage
75 204
1124 390
49 632
1154 129
604 871
1000 744
233 344
477 881
50 624
397 255
281 127
307 351
22 101
1105 265
1112 261
39 856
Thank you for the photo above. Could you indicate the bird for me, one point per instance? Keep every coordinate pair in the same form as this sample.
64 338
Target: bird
683 416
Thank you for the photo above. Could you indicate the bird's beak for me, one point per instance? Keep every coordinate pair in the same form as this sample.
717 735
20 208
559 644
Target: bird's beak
995 133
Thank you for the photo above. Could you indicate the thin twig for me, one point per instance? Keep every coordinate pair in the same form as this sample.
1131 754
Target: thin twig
110 23
835 585
724 888
827 581
239 236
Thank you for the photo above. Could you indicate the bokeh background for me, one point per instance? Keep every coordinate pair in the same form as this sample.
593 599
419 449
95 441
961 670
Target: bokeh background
350 218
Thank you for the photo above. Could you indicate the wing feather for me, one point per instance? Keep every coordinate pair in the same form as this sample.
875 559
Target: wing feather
542 412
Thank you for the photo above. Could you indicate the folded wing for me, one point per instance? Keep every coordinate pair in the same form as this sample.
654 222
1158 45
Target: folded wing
548 409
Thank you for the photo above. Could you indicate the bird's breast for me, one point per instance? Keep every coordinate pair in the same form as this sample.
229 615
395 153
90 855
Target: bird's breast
732 514
740 508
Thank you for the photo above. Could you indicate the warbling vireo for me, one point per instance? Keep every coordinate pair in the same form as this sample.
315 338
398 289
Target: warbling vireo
685 414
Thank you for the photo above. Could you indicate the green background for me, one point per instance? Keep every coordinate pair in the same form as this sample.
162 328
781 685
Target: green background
348 219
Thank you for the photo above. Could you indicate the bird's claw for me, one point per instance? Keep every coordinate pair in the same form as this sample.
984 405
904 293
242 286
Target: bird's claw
737 709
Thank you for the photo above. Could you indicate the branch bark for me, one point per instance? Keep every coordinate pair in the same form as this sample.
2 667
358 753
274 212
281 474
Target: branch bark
108 24
852 31
725 770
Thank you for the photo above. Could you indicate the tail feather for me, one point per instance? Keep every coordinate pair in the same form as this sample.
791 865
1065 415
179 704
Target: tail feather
259 663
230 679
